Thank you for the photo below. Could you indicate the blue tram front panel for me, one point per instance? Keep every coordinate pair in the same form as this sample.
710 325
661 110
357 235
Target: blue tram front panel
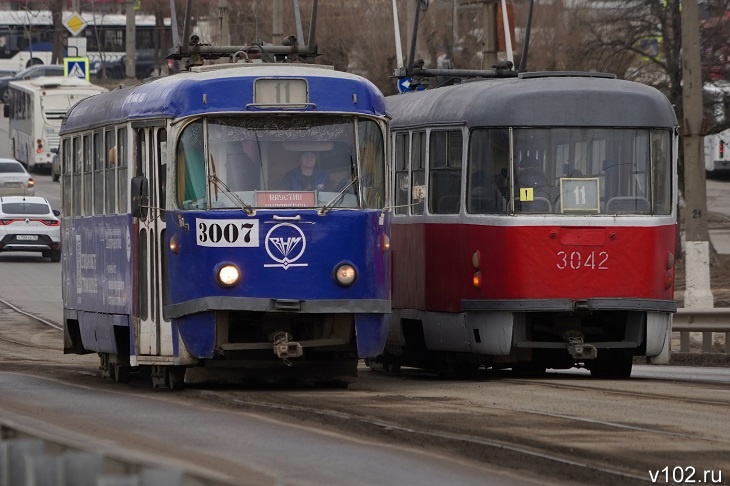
288 262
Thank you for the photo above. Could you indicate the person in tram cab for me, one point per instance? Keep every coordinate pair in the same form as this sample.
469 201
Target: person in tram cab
530 174
307 176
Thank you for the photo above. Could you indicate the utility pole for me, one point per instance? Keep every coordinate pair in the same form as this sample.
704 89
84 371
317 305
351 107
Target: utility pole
277 33
224 29
489 53
698 293
131 33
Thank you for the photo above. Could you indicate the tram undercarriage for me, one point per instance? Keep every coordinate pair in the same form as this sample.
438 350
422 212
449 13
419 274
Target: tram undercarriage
246 347
602 341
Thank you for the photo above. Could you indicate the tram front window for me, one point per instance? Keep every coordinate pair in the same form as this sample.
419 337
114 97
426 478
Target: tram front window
291 161
572 171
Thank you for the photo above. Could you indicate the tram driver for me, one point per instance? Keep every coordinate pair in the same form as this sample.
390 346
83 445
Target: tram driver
307 176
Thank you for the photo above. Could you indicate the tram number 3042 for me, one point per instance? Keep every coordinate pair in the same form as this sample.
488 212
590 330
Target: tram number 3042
576 260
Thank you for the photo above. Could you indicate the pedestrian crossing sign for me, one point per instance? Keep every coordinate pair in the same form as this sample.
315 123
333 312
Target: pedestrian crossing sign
76 67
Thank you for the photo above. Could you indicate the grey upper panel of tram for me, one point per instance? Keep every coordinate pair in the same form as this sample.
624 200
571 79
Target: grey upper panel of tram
536 99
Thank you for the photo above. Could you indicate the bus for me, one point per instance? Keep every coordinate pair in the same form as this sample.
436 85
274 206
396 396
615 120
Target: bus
717 153
228 223
26 37
35 109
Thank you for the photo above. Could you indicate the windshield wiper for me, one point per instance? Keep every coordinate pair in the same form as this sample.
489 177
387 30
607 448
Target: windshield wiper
219 184
337 198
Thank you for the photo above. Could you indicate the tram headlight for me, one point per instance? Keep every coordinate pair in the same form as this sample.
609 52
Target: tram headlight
228 275
174 245
345 274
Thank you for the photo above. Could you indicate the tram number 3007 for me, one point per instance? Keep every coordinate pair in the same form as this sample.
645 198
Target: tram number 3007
227 232
576 260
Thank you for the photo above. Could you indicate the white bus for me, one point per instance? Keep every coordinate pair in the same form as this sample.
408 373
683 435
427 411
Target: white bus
36 109
26 37
717 153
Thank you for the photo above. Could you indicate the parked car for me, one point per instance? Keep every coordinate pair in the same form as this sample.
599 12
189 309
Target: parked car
29 73
144 66
28 223
14 179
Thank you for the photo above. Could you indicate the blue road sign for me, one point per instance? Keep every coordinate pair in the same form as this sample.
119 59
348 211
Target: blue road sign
404 86
76 67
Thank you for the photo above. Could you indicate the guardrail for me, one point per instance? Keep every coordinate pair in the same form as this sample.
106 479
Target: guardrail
706 321
30 458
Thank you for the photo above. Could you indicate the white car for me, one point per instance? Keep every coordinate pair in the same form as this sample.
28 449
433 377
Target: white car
14 179
28 223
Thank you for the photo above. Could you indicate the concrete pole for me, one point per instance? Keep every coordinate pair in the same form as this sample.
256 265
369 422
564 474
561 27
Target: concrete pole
410 19
131 32
76 6
278 28
489 54
697 246
223 25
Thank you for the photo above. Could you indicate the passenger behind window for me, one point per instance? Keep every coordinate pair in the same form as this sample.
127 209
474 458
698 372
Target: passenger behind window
530 175
569 170
307 176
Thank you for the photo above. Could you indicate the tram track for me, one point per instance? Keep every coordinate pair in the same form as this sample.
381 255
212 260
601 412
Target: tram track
621 393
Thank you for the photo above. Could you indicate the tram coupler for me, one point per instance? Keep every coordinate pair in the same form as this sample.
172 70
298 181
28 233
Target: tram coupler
579 350
284 349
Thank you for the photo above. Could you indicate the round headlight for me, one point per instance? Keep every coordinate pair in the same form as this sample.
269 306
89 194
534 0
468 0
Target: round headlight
228 275
345 274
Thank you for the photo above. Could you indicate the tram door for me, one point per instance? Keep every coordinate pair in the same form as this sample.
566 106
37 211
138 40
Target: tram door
153 331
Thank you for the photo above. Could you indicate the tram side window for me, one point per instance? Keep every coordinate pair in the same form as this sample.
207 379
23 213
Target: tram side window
66 158
190 177
401 173
77 170
418 171
162 164
487 185
444 172
88 175
661 170
372 164
110 150
122 170
99 163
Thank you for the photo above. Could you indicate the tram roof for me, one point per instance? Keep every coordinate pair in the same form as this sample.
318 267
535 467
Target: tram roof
222 89
566 100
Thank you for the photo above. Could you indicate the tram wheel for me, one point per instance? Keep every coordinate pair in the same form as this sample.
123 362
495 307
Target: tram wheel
175 377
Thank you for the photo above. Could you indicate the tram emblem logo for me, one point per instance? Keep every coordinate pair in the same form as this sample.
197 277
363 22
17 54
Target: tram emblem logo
285 244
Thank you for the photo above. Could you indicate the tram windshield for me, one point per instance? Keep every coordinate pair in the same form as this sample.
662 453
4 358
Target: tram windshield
285 161
570 171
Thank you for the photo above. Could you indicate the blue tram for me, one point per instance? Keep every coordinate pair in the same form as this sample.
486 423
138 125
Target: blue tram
228 222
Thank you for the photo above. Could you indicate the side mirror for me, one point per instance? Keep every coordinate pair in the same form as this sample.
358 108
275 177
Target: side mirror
6 111
56 212
140 196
